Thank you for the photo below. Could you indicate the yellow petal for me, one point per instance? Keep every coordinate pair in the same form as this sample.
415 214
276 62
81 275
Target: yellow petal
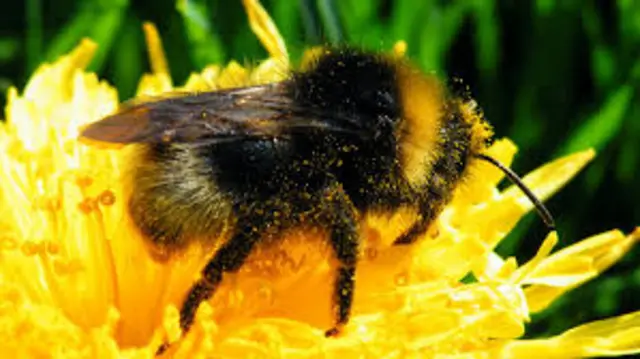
575 265
610 337
204 81
157 57
234 75
537 260
547 179
159 80
266 31
494 219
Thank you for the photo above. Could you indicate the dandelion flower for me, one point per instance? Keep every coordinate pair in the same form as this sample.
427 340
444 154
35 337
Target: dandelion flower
76 279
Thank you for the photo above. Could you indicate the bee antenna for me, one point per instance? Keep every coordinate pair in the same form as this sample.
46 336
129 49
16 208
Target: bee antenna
515 179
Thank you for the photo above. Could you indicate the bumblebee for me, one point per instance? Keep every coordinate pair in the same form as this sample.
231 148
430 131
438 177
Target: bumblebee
354 133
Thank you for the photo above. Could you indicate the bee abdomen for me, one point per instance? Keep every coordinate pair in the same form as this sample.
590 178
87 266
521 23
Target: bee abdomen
175 199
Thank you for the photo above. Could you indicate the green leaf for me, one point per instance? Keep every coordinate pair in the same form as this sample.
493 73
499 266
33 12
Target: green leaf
405 17
330 21
430 51
603 62
128 59
438 32
629 150
486 36
92 21
629 24
288 19
595 174
34 33
545 7
359 11
603 65
8 48
70 34
635 72
103 32
603 126
628 159
111 4
204 45
361 21
310 22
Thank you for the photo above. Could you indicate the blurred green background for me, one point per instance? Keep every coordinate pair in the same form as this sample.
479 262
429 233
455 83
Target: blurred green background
555 76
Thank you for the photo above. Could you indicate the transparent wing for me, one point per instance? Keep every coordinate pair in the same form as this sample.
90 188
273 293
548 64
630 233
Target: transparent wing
261 111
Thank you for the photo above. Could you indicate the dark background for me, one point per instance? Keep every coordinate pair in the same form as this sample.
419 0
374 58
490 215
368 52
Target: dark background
554 76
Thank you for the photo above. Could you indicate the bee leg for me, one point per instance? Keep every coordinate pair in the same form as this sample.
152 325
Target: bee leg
429 209
413 233
344 242
229 258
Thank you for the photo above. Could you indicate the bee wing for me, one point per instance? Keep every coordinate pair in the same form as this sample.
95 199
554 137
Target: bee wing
261 111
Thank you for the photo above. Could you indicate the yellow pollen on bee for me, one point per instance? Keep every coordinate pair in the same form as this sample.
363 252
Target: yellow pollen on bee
422 100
